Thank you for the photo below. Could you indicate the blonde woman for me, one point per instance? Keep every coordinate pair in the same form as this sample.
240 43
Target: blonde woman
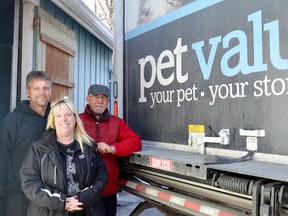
62 174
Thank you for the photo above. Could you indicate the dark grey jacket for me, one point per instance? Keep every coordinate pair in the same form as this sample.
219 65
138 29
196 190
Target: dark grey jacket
18 130
43 178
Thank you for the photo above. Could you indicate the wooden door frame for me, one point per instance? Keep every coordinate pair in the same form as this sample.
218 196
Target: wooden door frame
51 31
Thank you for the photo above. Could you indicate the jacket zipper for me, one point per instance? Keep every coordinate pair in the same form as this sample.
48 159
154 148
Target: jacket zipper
54 176
97 132
54 172
42 167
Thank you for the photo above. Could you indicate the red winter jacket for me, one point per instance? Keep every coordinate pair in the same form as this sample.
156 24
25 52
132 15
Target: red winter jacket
113 131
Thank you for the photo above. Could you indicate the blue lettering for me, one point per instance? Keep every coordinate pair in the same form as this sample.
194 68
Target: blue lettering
206 67
241 48
276 60
258 66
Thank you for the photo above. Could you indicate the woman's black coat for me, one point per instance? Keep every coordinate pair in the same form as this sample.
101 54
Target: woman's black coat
43 179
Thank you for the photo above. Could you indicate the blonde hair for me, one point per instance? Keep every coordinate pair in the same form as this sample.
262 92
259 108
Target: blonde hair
79 132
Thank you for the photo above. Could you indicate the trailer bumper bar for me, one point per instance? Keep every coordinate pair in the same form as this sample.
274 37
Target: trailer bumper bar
178 202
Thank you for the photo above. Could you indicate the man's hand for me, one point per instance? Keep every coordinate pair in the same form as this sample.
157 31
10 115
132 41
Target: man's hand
105 148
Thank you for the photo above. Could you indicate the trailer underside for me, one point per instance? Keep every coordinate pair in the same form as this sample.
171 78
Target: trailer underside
250 187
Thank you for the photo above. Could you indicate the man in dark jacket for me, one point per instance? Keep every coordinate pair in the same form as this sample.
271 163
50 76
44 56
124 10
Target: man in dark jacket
113 137
17 132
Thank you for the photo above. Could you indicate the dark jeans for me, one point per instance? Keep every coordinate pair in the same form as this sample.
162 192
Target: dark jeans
17 204
110 203
3 206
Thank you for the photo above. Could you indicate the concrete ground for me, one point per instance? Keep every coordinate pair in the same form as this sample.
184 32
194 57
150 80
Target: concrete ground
126 203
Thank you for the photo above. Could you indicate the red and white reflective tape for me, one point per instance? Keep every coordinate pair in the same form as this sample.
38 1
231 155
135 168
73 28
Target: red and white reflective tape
175 199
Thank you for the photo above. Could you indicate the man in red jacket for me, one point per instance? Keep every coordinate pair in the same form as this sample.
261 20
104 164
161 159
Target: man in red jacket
113 136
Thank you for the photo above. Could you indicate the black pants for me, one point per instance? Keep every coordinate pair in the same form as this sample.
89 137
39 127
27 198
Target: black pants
17 204
110 203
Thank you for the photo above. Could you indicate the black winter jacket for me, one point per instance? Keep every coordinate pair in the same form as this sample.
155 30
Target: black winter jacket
44 183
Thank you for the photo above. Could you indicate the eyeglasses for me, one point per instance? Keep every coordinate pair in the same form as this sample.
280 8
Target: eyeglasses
99 97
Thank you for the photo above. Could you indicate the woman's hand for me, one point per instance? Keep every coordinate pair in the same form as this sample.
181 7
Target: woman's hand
73 204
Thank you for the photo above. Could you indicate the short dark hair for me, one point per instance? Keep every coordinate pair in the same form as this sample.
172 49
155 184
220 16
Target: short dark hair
37 75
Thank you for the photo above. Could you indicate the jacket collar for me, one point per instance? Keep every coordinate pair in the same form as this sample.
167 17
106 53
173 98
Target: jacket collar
48 141
102 117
